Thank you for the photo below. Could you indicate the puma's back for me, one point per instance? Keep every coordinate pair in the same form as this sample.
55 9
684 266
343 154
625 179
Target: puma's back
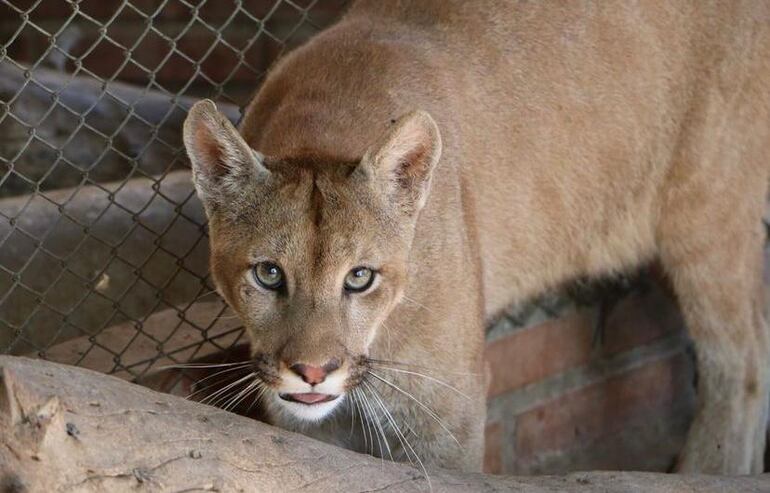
568 114
420 165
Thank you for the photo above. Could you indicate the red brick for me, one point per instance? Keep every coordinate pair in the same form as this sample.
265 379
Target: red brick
493 444
650 443
532 354
639 319
601 409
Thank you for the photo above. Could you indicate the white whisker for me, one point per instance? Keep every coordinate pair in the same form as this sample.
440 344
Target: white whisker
224 390
377 426
362 414
419 367
382 432
381 429
262 390
204 294
425 408
351 405
203 365
212 376
428 377
233 403
401 437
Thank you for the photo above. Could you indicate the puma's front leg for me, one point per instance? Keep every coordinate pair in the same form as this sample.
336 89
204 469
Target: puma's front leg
728 433
721 296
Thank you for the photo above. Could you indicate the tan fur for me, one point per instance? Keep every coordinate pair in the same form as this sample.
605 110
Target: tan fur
576 138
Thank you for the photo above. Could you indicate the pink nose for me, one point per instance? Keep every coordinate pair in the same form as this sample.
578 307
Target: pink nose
314 374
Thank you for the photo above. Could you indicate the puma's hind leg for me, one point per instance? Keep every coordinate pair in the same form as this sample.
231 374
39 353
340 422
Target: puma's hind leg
713 254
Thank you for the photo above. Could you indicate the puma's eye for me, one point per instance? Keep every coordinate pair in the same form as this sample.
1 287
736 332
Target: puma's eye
359 279
268 275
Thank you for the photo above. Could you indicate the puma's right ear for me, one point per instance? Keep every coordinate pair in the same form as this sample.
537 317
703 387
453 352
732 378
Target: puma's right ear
221 160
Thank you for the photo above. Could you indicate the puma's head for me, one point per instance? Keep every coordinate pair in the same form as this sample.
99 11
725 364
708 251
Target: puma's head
311 252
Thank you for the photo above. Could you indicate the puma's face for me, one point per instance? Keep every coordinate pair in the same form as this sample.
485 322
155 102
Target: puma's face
312 254
312 265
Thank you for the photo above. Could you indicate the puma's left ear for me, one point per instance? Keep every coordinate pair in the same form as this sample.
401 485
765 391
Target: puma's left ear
222 162
402 164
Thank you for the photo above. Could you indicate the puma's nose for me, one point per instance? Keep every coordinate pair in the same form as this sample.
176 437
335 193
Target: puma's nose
315 374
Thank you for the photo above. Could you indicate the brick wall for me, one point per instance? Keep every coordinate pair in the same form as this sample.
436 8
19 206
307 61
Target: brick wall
560 399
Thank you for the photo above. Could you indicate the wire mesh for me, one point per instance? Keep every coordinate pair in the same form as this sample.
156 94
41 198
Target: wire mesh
103 246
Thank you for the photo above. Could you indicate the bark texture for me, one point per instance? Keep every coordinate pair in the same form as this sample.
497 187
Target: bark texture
69 429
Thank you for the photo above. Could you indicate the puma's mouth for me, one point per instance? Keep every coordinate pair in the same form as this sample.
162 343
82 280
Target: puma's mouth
308 398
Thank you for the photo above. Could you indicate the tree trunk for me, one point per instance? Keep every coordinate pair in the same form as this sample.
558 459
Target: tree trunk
69 429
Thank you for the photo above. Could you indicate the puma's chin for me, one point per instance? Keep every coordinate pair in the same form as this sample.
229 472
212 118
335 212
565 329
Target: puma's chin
308 406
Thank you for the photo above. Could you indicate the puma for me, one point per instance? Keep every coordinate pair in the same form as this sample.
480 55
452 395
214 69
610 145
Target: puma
421 165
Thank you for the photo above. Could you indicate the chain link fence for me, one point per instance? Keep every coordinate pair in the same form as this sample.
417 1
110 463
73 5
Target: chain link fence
103 246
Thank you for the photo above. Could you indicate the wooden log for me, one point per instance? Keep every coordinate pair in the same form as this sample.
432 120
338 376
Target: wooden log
79 260
58 130
69 429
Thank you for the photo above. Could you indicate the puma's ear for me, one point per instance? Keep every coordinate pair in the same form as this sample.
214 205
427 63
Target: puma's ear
221 160
402 164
